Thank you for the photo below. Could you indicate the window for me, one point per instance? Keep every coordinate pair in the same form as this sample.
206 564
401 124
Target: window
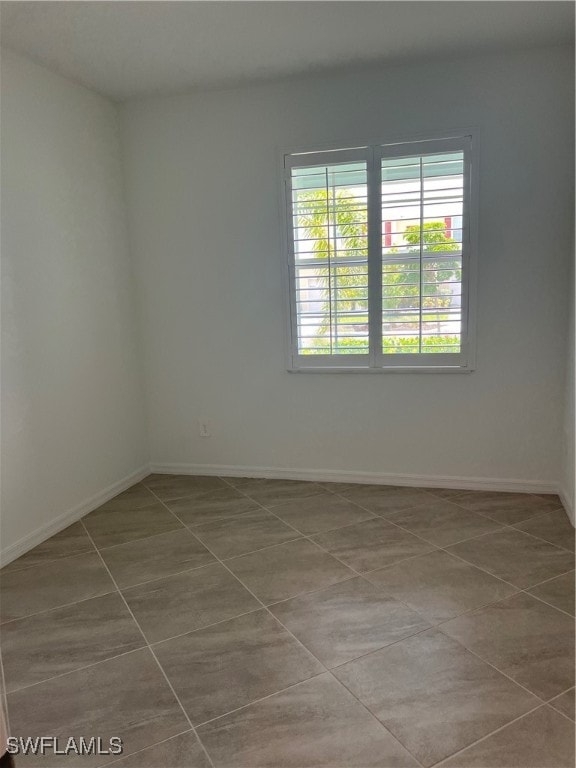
379 256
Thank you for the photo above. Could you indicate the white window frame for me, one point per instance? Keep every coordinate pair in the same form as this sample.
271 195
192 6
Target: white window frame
372 153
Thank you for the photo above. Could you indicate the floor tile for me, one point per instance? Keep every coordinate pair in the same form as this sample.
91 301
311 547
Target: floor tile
168 487
540 739
347 620
371 544
515 557
508 508
447 493
156 557
554 527
558 592
288 570
316 724
43 587
443 523
71 541
208 506
526 639
229 665
551 497
564 703
110 527
439 586
247 533
59 641
433 695
126 697
133 498
383 499
237 482
321 513
271 492
183 751
187 601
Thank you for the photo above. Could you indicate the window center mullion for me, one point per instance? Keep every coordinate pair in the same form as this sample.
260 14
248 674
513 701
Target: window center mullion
374 259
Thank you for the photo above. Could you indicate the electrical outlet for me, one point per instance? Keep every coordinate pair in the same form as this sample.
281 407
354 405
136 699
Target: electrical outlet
204 429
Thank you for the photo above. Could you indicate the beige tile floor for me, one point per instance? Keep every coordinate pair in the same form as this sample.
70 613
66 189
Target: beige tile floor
233 622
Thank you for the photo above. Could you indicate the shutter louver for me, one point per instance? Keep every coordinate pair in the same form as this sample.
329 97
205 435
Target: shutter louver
422 259
330 241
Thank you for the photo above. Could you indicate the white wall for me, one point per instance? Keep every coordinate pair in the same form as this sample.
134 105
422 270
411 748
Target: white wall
203 185
72 404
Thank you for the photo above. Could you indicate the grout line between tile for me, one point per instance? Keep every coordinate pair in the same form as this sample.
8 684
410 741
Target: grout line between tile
418 536
267 608
262 698
491 603
260 549
310 537
539 538
565 716
545 581
139 538
156 744
313 591
359 574
504 674
6 570
536 597
207 626
4 692
80 669
436 547
146 643
550 703
272 511
226 517
514 526
167 576
479 568
154 657
364 574
383 648
518 589
307 650
58 607
557 696
438 626
487 736
355 574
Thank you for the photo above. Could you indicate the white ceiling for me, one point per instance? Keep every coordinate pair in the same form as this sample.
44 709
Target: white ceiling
130 49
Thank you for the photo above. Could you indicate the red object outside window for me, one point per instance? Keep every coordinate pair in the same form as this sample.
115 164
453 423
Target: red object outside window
387 234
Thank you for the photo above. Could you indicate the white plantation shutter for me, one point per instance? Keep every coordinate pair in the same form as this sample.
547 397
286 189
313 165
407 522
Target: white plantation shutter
379 256
329 248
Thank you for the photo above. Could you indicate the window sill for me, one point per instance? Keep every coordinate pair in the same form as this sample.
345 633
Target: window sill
396 369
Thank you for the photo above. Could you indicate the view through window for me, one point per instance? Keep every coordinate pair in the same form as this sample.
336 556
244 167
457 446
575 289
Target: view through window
378 244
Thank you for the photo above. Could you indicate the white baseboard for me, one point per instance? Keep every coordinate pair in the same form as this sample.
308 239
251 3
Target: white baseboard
32 540
376 478
568 506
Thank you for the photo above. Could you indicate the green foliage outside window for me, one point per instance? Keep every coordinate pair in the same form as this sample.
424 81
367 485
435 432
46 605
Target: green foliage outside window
336 225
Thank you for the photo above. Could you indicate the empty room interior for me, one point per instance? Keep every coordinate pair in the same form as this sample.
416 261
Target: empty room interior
287 384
